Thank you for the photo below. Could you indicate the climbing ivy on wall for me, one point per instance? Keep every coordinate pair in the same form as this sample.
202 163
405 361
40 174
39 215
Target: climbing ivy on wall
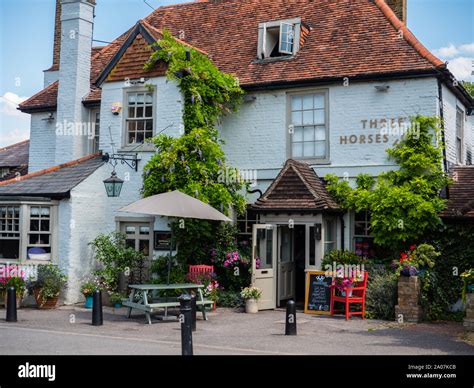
194 163
404 203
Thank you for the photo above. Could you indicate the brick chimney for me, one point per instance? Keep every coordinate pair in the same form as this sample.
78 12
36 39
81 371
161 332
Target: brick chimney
51 75
77 21
400 8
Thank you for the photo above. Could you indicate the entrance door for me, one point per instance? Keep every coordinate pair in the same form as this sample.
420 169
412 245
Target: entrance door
286 264
264 244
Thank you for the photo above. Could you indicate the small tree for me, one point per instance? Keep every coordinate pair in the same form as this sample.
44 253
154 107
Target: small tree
115 257
404 204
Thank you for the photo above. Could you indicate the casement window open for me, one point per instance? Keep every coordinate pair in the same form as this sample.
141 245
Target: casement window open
279 38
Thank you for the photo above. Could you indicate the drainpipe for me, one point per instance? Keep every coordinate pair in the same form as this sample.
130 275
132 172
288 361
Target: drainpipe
341 217
441 115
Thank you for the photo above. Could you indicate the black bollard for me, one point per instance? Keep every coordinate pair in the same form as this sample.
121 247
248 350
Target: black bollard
290 324
186 325
11 304
97 317
193 311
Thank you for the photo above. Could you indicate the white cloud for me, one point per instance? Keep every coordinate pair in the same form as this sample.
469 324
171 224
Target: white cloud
14 125
446 52
461 67
460 60
467 48
9 104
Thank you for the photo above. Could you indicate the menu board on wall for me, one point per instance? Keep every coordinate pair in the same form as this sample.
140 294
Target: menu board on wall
318 293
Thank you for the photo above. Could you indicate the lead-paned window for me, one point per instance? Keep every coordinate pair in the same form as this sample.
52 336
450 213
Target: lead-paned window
9 232
139 117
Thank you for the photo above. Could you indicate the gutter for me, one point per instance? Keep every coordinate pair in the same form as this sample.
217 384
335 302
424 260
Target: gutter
331 80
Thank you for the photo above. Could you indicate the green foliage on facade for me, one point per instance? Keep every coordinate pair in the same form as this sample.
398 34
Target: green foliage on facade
469 86
114 257
404 204
194 163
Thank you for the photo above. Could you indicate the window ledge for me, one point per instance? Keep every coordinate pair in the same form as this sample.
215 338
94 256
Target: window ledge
274 59
312 161
137 148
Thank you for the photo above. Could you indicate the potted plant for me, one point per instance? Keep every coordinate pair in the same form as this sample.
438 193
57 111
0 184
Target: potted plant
116 298
251 295
87 289
13 281
342 282
47 286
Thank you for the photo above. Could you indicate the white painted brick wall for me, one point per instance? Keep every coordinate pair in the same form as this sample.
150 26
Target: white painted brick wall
74 76
450 103
50 77
168 111
42 142
256 137
89 207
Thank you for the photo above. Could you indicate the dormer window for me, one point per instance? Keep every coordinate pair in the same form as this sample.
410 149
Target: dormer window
279 38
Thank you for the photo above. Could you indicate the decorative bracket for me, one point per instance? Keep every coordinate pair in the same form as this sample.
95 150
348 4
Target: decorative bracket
131 160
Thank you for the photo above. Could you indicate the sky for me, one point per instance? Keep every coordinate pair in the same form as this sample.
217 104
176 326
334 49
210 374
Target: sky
446 27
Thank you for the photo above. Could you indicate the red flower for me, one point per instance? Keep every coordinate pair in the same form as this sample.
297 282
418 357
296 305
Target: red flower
403 257
412 247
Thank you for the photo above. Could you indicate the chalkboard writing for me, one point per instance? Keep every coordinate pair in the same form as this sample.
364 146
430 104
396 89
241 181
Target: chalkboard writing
318 293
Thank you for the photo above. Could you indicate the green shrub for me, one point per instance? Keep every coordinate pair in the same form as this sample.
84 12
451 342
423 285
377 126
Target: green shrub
442 286
230 299
381 296
341 257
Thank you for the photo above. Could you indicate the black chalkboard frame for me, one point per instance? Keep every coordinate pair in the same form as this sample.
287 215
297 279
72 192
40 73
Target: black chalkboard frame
306 300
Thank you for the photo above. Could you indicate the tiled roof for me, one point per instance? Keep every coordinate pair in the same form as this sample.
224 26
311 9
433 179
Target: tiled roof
47 98
55 181
461 194
296 188
344 38
15 155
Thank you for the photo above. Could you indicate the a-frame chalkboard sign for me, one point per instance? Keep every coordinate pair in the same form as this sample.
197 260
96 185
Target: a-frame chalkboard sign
318 293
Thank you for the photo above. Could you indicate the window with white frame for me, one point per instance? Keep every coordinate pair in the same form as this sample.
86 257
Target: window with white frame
459 134
309 134
278 38
139 122
39 232
329 235
95 121
26 232
9 232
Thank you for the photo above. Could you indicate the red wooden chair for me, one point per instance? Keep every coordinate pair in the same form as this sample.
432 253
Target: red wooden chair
198 271
357 297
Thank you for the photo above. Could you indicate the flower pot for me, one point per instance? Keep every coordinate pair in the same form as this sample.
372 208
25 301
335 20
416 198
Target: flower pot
470 288
251 306
343 293
48 303
89 301
118 305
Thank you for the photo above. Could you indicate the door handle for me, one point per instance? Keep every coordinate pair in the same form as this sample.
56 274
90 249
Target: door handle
264 272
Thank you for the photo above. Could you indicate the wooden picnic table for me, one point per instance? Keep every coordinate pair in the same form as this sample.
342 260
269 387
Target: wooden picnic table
149 305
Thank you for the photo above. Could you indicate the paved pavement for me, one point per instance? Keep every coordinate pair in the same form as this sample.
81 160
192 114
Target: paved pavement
67 330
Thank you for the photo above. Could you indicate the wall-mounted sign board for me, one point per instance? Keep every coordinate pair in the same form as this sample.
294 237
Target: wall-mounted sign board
318 293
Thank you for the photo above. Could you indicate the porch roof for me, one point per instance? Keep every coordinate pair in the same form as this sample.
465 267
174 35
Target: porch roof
297 188
54 182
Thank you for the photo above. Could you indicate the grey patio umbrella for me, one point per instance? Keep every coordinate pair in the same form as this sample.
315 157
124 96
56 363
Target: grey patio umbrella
177 205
